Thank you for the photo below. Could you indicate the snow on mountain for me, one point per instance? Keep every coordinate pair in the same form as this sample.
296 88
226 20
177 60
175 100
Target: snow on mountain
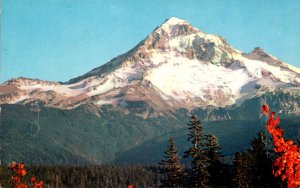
184 78
176 66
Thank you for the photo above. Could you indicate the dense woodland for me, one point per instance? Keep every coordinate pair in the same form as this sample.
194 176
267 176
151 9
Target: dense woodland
76 137
89 176
202 165
247 170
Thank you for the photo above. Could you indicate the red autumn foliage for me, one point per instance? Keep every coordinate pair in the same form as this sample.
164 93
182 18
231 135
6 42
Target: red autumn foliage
21 185
20 171
287 164
265 109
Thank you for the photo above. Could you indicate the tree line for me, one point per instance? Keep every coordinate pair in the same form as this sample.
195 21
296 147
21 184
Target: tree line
201 165
91 176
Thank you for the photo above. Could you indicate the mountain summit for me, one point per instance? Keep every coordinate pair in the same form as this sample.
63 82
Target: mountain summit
175 27
176 66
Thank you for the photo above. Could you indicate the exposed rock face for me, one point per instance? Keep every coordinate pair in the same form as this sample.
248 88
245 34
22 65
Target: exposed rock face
176 66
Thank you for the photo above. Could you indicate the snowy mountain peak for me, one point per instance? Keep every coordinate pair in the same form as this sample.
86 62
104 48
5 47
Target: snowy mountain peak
173 27
182 39
175 21
176 66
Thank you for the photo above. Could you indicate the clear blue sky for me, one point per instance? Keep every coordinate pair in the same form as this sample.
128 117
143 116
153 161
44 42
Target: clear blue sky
61 39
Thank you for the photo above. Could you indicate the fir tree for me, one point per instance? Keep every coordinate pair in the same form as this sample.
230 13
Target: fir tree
241 164
261 162
200 174
213 153
254 167
171 166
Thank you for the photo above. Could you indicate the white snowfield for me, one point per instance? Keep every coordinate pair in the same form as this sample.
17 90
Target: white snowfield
183 78
177 76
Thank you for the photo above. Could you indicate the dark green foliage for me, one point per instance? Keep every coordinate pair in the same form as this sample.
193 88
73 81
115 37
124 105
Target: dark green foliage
212 151
254 167
79 137
200 175
75 136
242 167
89 176
195 137
261 157
171 167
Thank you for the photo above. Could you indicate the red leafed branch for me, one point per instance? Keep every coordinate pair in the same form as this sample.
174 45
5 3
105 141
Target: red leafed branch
287 164
19 172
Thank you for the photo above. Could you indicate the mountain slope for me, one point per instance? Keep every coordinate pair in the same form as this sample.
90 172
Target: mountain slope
176 66
78 137
125 110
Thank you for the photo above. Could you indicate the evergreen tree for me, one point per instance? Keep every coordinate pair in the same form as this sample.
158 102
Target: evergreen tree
261 162
254 167
215 167
241 164
171 166
200 174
